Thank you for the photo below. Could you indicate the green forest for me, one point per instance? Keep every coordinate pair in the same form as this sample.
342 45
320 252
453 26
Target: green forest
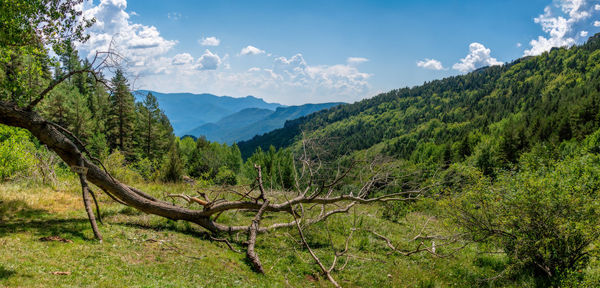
486 179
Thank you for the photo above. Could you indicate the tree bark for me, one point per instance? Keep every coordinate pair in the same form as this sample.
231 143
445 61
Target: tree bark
88 207
250 253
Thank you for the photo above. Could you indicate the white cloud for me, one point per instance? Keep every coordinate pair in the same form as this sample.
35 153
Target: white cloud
356 60
209 61
209 41
288 80
151 60
431 64
479 56
340 79
576 9
251 50
519 44
182 59
138 44
561 25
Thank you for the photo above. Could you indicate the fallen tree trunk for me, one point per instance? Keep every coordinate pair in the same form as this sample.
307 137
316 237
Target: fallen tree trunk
67 149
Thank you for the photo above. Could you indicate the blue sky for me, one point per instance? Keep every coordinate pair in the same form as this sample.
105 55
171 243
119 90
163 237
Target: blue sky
295 52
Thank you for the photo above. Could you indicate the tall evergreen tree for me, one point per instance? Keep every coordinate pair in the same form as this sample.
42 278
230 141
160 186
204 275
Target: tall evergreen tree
154 129
120 124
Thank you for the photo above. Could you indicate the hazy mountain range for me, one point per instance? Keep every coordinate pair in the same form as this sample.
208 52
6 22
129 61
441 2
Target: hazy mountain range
224 118
249 122
187 111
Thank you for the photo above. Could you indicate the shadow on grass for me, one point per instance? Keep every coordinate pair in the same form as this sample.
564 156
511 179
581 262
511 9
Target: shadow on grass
16 216
169 225
17 209
5 273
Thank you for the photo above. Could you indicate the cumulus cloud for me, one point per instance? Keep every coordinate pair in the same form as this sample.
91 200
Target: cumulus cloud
251 50
479 56
182 59
139 44
209 61
209 41
344 79
149 55
561 22
288 80
356 60
431 64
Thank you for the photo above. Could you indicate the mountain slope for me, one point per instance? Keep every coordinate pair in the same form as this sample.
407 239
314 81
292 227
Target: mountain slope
187 110
253 121
508 109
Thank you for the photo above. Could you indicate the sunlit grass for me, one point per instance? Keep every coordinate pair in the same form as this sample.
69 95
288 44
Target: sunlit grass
141 250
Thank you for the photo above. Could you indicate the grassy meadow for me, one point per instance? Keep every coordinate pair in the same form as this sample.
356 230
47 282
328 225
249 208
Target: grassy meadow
141 250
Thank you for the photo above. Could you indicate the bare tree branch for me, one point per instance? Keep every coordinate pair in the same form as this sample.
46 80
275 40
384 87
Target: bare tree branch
252 230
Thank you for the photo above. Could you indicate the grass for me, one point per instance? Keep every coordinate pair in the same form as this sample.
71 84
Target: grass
141 250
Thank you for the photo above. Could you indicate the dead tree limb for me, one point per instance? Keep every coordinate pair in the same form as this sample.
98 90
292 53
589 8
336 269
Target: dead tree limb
325 271
96 204
223 240
82 171
252 230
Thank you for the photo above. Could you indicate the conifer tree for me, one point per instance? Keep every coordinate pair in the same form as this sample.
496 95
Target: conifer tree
120 124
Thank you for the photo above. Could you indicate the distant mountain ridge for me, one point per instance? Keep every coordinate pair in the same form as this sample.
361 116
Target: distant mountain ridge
187 110
249 122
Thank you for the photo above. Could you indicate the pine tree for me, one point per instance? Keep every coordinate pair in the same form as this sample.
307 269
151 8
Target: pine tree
79 116
120 124
154 129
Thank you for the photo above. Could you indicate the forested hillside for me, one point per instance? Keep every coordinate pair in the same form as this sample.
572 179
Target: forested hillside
550 98
511 152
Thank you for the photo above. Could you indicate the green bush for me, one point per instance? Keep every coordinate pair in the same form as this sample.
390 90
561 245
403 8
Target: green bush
225 177
16 152
172 168
144 167
545 218
116 165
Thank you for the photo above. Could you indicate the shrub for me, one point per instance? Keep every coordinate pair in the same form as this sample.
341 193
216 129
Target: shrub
225 177
116 165
172 168
545 218
16 152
